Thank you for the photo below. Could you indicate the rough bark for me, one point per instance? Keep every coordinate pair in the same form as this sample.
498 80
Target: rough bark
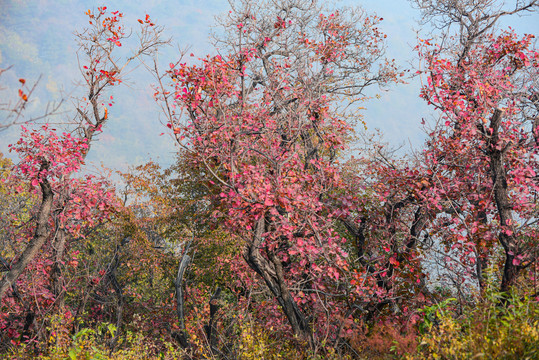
272 273
503 204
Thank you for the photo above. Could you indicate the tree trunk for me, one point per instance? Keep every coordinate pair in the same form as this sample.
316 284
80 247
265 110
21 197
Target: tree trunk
182 337
507 236
211 330
272 273
40 236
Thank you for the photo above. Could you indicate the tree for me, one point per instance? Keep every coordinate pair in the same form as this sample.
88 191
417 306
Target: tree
482 155
103 70
70 206
263 124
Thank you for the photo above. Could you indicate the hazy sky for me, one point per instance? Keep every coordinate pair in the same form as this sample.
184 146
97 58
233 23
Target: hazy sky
36 37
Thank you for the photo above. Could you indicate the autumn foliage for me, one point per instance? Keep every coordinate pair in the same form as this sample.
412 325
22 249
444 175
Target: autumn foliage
272 236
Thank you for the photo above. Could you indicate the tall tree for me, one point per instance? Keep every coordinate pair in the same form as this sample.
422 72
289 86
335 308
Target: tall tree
263 123
69 205
483 153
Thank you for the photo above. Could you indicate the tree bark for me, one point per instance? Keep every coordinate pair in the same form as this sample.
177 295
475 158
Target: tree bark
503 205
272 273
211 330
182 337
40 235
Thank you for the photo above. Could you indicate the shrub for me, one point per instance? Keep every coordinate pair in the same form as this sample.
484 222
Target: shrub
494 328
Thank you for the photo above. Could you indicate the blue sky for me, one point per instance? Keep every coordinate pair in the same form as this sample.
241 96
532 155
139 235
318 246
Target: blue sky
36 37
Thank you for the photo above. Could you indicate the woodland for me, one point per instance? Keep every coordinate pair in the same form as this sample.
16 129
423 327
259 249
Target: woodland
283 230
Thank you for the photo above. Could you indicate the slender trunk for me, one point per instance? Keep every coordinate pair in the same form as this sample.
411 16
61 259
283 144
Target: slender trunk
507 236
181 336
40 236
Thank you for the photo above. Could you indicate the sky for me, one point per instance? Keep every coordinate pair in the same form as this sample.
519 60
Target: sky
37 39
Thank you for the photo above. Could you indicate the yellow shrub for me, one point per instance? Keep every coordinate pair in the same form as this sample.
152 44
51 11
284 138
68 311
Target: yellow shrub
489 330
256 343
